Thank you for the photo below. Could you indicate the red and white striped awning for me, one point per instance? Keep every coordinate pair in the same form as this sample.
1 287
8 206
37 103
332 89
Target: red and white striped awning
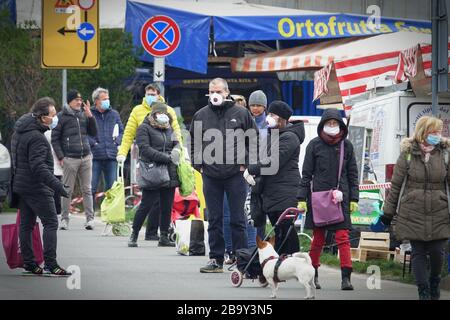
350 77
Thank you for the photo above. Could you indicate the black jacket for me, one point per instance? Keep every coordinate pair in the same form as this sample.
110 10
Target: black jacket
155 145
227 117
70 137
279 190
321 166
32 159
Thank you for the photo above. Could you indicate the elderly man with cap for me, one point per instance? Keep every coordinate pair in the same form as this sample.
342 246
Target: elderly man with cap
280 190
71 144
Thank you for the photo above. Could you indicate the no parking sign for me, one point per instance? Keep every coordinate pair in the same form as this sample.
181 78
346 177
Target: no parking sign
160 36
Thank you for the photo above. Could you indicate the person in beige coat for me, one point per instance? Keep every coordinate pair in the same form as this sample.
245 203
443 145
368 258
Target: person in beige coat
421 212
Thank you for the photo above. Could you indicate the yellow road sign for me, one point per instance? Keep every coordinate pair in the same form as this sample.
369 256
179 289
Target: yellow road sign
70 34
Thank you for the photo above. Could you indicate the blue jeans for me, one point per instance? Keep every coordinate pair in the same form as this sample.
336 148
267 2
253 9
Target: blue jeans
251 231
109 169
236 191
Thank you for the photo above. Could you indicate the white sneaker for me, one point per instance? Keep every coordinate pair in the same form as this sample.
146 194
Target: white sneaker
64 225
89 225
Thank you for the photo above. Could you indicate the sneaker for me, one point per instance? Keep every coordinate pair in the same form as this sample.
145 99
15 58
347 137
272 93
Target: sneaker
32 270
89 225
64 225
55 271
212 267
153 237
229 258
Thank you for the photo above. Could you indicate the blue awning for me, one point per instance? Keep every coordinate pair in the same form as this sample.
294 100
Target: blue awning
185 27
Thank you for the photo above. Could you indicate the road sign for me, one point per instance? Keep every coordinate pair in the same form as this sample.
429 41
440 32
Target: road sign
158 70
160 36
69 45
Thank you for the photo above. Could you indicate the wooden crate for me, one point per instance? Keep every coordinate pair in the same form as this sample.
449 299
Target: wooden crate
372 245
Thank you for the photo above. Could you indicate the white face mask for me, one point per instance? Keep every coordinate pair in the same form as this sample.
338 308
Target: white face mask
332 131
162 118
271 122
216 99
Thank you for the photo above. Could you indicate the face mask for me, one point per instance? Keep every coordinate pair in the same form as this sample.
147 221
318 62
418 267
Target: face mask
54 122
105 104
332 131
162 118
433 139
271 122
150 99
216 99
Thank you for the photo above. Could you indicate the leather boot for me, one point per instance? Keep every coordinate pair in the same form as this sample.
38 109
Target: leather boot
164 241
346 273
424 291
316 278
435 292
132 243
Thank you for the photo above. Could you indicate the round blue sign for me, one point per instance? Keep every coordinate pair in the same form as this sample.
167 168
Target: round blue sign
86 31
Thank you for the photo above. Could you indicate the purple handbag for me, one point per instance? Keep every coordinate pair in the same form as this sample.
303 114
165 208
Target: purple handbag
325 211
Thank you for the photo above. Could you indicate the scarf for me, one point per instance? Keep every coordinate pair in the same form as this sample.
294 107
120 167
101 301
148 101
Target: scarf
330 139
426 151
261 121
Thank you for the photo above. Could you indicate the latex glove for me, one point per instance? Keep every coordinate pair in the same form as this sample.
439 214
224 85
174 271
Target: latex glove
249 178
354 207
302 205
121 159
175 156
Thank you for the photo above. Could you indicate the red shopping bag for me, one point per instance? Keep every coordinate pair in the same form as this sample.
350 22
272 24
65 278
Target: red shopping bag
11 244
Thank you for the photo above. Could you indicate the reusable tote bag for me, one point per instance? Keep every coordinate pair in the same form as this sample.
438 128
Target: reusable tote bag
113 206
11 244
325 210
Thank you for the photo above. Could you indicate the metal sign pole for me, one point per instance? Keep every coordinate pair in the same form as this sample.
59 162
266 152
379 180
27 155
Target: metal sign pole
64 87
159 68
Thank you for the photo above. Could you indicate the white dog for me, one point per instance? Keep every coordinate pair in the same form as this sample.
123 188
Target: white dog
298 266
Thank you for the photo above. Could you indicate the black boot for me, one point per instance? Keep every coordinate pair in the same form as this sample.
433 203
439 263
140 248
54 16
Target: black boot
132 243
346 273
424 291
435 292
316 278
164 241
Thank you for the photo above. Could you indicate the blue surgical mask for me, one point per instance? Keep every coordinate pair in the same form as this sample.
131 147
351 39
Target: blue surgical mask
54 122
150 99
162 118
105 104
433 139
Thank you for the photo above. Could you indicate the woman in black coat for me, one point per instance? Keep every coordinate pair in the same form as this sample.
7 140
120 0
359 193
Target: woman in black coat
279 189
320 168
156 141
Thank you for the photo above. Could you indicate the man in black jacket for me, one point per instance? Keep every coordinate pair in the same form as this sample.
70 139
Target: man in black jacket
35 184
71 144
218 151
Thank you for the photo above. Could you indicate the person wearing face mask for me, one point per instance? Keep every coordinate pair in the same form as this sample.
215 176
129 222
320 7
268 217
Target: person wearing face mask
137 116
104 145
222 174
57 169
71 144
279 190
417 203
35 184
154 139
320 173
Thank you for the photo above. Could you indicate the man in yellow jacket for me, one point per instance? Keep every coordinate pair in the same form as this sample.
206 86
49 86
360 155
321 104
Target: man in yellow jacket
137 116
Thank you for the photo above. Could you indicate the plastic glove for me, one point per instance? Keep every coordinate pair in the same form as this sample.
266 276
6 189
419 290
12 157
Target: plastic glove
121 159
175 156
302 205
354 207
249 178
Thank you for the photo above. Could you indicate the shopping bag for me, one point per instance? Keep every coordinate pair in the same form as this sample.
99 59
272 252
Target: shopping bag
113 205
11 244
191 237
185 175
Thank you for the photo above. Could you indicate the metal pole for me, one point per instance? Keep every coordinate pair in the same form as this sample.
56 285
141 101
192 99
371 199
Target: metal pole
64 87
161 87
434 55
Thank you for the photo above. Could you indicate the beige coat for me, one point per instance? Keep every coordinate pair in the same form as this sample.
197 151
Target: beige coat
423 214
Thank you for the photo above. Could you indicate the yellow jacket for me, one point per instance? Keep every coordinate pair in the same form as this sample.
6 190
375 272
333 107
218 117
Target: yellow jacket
136 118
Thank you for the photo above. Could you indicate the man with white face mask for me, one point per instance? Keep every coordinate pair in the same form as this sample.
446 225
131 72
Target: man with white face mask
222 116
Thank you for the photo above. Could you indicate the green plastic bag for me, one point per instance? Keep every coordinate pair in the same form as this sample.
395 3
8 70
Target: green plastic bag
185 175
113 206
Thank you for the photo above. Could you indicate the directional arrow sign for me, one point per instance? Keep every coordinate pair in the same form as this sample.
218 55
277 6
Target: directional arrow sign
158 69
64 31
86 31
